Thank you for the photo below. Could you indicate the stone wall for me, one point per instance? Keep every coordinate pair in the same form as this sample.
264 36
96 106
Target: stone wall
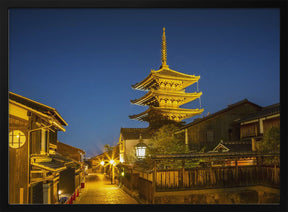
241 195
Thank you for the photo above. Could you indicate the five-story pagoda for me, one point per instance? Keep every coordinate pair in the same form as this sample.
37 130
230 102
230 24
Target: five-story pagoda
166 93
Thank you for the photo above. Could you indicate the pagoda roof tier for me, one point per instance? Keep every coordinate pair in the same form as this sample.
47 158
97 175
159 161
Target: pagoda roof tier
157 95
162 113
166 73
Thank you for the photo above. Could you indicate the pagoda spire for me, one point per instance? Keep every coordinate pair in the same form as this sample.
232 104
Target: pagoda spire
164 50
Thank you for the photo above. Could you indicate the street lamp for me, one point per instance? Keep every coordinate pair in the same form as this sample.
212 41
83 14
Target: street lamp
140 148
112 164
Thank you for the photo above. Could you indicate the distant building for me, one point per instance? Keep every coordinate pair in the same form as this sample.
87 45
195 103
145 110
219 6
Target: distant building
104 162
70 179
222 125
253 126
70 151
166 93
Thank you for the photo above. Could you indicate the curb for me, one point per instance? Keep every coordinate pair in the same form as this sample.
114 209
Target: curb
132 194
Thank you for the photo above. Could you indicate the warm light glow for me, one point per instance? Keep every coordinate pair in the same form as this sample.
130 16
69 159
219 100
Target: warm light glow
122 174
59 192
167 94
140 152
111 162
121 159
102 163
16 139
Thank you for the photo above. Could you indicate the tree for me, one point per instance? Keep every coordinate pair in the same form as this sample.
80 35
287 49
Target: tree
165 141
108 148
271 141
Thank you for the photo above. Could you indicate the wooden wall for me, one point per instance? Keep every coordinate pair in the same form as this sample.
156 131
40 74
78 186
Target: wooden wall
220 126
268 123
18 163
250 130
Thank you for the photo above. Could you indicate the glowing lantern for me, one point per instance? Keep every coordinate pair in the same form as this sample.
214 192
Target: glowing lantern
140 148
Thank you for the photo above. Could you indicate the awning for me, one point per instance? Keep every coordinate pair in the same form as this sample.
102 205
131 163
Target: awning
53 165
60 158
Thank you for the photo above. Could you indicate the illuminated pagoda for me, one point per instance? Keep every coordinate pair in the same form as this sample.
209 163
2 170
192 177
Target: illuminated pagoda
166 93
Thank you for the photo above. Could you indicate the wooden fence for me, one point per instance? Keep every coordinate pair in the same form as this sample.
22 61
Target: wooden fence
147 182
200 178
216 177
145 189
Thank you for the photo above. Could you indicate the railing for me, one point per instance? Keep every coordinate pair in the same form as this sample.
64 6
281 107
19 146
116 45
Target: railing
147 182
217 177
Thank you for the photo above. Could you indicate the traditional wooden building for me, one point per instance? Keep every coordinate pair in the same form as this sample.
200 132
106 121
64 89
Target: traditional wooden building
253 127
70 151
33 173
71 178
222 125
128 139
166 93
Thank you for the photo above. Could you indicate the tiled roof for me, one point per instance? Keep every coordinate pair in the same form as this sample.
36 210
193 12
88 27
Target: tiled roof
71 148
172 73
52 165
233 146
74 165
37 106
60 158
228 108
266 111
134 133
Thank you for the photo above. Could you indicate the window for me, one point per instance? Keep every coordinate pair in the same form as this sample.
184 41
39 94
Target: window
16 139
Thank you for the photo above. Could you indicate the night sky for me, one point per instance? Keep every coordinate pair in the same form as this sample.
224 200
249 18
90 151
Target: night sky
83 62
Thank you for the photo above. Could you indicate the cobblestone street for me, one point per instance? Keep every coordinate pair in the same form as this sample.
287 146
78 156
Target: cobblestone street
98 190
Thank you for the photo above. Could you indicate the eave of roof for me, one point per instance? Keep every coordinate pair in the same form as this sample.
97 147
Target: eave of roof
26 100
144 115
60 158
228 108
266 111
153 93
54 166
209 155
134 133
166 73
235 146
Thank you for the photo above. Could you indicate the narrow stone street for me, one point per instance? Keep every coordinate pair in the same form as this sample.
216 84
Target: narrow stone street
99 190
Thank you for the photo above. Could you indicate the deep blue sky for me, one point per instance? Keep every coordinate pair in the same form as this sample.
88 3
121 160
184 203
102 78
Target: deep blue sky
83 62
